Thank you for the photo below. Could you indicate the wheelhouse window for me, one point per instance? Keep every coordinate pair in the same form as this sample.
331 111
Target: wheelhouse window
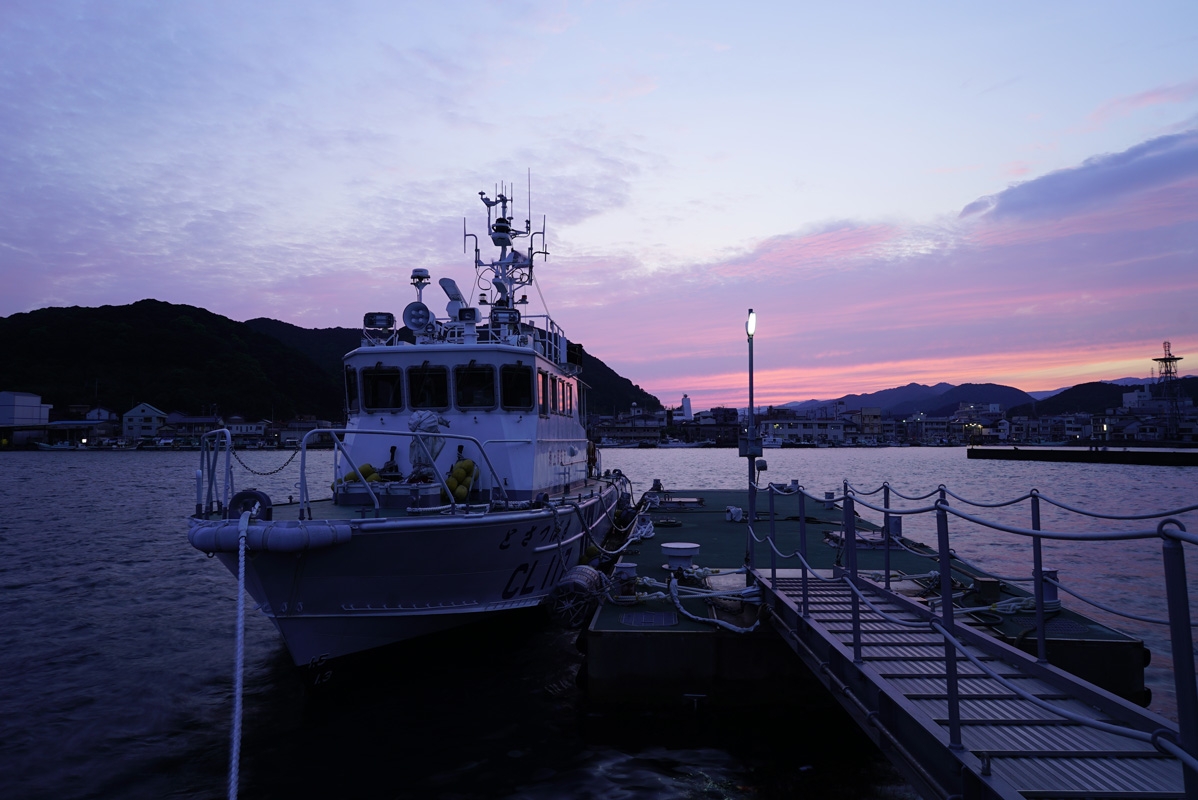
474 386
351 390
544 396
382 389
428 387
555 396
515 387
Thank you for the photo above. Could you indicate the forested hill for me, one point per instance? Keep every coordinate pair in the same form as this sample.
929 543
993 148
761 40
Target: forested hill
1093 398
175 357
183 358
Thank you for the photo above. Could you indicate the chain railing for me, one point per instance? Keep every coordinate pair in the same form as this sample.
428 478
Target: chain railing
939 617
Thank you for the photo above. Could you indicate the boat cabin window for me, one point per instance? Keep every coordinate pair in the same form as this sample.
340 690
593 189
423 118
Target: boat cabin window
351 390
570 400
382 389
428 387
555 397
474 386
515 387
544 396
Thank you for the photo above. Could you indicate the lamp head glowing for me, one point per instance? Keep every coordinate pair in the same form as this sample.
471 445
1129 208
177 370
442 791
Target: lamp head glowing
751 324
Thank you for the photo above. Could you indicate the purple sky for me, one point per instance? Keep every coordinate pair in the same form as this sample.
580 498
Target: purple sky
918 193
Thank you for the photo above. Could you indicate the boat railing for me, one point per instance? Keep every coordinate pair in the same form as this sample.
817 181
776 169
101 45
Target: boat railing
422 439
213 491
939 616
206 481
536 331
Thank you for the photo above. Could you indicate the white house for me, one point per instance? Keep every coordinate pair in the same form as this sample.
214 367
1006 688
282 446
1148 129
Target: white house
142 422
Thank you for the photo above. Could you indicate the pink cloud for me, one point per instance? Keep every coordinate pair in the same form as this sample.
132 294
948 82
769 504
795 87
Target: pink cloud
1017 169
1063 279
1165 95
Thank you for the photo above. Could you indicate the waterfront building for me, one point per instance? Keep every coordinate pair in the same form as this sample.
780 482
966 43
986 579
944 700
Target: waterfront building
22 408
143 421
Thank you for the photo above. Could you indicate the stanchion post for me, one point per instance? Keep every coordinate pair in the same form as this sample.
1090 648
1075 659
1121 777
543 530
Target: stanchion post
886 532
1038 583
850 535
946 613
773 545
803 543
1182 641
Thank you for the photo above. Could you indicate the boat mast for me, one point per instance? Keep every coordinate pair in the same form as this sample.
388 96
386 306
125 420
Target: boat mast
513 269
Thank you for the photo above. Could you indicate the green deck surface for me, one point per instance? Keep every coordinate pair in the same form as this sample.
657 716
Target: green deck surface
700 516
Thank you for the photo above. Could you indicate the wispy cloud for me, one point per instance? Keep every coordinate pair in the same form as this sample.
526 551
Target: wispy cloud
1124 106
1101 179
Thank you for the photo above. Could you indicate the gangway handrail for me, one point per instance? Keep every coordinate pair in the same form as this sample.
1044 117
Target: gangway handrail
1170 530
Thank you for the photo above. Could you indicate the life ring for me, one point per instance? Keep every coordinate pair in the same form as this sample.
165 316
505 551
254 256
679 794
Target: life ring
249 500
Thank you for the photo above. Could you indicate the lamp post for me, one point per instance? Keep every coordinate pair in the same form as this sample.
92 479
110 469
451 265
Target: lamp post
751 451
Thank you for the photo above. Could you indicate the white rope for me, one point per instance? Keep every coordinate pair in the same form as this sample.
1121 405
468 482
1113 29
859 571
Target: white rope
707 620
238 679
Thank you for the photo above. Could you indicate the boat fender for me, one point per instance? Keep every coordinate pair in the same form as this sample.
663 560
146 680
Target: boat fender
253 501
572 601
222 537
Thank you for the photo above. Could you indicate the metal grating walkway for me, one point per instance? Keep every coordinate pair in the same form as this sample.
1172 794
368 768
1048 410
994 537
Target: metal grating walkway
899 693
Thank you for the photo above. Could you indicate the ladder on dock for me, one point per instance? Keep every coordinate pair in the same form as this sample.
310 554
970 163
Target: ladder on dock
1009 747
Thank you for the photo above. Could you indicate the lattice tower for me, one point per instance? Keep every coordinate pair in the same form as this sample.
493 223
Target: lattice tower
1167 389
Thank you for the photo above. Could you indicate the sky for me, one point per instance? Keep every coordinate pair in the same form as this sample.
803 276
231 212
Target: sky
903 192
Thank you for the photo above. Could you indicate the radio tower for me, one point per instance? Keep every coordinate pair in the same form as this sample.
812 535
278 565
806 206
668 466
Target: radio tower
1166 383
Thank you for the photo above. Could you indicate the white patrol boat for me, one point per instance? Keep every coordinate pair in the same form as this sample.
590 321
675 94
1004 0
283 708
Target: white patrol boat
464 484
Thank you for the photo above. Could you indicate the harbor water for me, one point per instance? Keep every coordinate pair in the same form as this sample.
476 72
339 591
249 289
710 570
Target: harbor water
117 647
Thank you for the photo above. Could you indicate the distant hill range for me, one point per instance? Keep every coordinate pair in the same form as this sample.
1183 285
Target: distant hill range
183 358
943 399
939 400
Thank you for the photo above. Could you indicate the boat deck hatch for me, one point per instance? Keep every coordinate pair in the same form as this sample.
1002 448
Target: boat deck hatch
649 619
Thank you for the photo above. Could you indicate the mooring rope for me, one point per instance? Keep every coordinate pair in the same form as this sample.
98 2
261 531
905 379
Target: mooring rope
238 680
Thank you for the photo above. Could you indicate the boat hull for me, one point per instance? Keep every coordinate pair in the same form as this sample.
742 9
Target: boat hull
398 578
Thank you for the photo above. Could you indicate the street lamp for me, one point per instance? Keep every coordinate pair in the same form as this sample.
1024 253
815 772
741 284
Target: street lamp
750 329
752 449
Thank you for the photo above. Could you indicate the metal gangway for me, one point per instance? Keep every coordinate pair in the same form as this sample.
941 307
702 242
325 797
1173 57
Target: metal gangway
960 713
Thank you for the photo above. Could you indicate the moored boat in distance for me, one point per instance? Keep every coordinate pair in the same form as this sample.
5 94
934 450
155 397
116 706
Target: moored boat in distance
671 443
485 497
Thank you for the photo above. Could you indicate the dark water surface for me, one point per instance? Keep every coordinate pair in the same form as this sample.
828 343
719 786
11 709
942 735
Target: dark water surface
116 650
